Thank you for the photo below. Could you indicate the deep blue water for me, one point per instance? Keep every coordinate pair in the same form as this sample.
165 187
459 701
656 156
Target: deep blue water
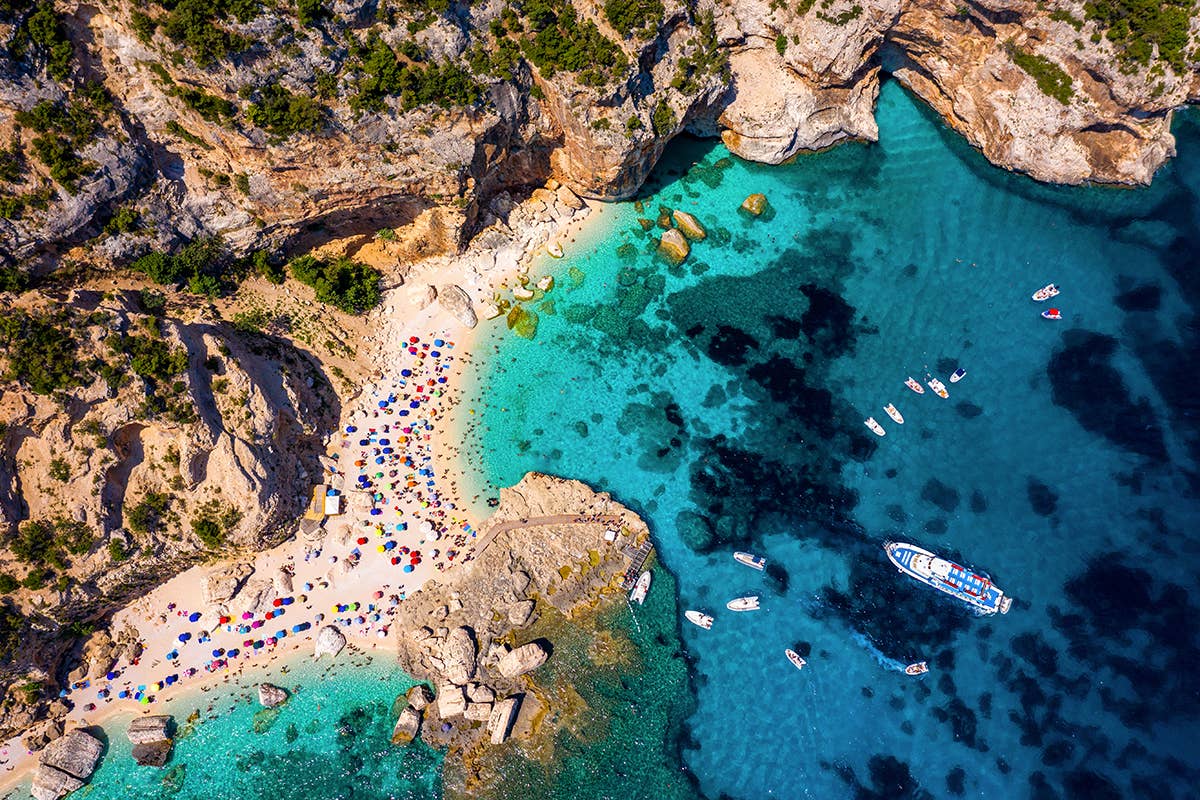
724 399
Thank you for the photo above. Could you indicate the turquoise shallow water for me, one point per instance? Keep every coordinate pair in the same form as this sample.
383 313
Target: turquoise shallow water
724 399
331 740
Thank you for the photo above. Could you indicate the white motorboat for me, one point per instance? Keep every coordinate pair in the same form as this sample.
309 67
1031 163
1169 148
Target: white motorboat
958 375
699 618
1052 313
919 668
640 589
795 658
750 560
912 384
743 603
896 416
875 427
1045 293
938 387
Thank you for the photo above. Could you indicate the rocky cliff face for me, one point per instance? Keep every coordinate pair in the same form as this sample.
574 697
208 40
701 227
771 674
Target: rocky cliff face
294 128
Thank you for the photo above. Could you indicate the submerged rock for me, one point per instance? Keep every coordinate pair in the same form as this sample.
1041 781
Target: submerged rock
524 659
329 640
65 764
674 246
755 204
152 754
270 695
689 226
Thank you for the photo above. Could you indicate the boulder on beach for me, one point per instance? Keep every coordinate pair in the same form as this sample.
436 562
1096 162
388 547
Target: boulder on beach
154 728
568 198
455 300
329 640
65 764
270 695
520 612
525 658
221 585
458 656
500 722
674 246
407 726
450 700
755 204
419 696
688 225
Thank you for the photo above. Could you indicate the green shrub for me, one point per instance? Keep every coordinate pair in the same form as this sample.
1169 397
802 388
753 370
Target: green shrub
343 282
662 119
42 34
309 11
116 551
282 113
125 220
8 584
707 59
59 470
384 75
36 579
1050 78
561 42
11 625
42 542
193 24
626 16
12 162
175 129
212 523
1136 27
150 357
13 279
65 165
41 351
147 516
201 265
61 131
210 107
143 25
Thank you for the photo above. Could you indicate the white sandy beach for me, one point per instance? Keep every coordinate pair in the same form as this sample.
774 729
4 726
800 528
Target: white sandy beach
353 577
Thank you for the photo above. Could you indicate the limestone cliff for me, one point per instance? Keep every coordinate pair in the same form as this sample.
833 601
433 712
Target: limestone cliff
275 125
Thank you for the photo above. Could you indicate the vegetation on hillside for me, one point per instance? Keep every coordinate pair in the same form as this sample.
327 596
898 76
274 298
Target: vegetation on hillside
342 282
1052 79
384 74
196 25
630 16
202 265
41 37
41 351
706 59
559 40
1137 27
283 113
60 131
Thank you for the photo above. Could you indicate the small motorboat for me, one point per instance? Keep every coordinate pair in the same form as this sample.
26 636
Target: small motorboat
875 427
1052 313
640 589
916 387
743 603
750 560
894 414
938 387
1045 293
795 658
699 618
919 668
958 375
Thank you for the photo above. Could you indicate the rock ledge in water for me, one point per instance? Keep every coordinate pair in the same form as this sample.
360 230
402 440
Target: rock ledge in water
329 640
270 695
524 659
65 764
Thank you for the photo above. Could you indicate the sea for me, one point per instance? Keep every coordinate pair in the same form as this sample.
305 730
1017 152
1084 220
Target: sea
724 399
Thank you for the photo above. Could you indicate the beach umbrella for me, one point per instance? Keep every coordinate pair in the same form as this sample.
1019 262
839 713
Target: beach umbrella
233 653
247 615
307 587
123 694
145 699
102 693
224 620
258 644
270 641
362 540
171 656
359 621
280 634
277 602
258 623
137 695
194 616
111 676
220 651
378 594
303 598
319 617
171 679
270 615
408 567
183 637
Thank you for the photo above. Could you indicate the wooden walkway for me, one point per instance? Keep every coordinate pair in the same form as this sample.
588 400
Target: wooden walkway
637 557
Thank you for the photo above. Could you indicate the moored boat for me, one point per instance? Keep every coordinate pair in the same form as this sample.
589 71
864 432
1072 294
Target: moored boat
914 385
919 668
699 618
938 387
958 375
1052 313
750 560
743 603
973 588
795 658
896 416
1045 293
641 588
875 427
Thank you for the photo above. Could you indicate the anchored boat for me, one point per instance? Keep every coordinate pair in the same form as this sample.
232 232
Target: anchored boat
973 588
875 427
894 414
699 618
1052 313
919 668
795 658
912 384
743 603
1045 293
750 560
641 588
938 387
958 375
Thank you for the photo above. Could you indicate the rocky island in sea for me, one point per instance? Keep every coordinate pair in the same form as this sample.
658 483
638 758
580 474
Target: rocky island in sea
253 255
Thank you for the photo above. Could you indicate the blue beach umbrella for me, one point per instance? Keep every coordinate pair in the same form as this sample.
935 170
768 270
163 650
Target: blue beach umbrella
112 676
408 567
194 616
220 651
183 637
234 653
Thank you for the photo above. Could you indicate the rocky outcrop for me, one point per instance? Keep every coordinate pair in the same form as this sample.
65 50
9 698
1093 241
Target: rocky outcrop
458 303
688 225
419 696
525 658
65 764
451 700
222 583
458 656
151 740
407 726
501 720
270 695
755 204
329 641
674 246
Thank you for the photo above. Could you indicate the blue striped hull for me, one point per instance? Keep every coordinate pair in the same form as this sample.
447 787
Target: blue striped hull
973 588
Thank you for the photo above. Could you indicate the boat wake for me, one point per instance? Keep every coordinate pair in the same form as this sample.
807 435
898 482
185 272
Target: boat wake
877 654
